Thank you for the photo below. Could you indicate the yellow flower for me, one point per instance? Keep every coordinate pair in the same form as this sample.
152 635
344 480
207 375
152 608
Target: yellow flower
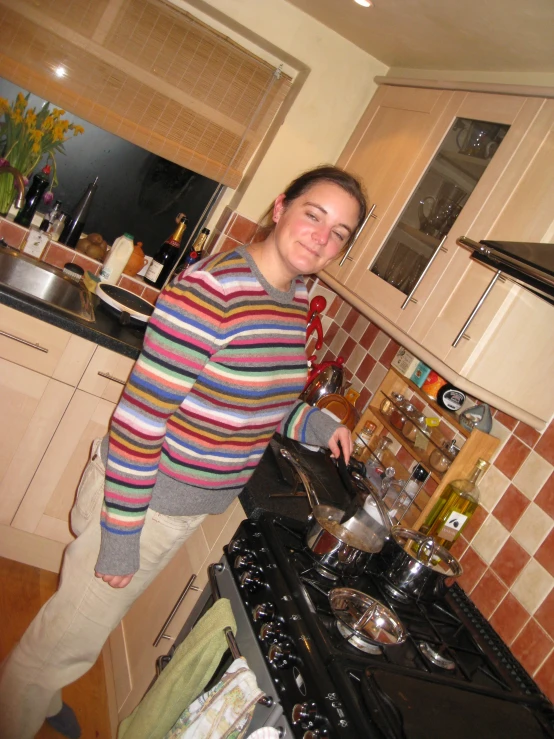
30 119
4 105
77 130
58 132
36 135
57 112
48 123
16 116
20 101
35 148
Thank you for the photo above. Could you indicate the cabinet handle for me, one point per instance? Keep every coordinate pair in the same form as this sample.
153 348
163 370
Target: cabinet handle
111 377
162 634
462 334
410 298
24 341
358 232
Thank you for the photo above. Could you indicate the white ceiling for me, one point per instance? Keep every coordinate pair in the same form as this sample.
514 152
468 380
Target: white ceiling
487 35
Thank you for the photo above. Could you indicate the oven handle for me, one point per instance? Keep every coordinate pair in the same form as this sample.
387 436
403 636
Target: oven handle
265 700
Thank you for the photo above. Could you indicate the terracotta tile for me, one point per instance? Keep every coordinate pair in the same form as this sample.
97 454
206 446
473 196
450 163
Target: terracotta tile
510 507
365 368
223 219
509 619
508 421
545 445
488 593
418 402
532 646
545 553
363 400
242 229
390 352
91 265
446 431
331 333
229 244
12 233
545 614
545 499
333 309
132 285
150 294
430 485
369 336
259 235
58 255
404 457
509 561
459 547
310 346
474 568
347 349
545 677
512 457
350 320
475 523
527 434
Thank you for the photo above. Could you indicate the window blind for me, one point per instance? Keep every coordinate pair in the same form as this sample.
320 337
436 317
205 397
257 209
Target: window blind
148 72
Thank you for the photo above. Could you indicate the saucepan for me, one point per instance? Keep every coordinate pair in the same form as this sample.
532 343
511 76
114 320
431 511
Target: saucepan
337 550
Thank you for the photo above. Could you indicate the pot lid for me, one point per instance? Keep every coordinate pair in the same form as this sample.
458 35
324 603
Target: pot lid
366 618
426 551
124 300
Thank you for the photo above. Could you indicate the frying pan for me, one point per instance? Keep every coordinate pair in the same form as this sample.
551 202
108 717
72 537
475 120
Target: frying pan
128 308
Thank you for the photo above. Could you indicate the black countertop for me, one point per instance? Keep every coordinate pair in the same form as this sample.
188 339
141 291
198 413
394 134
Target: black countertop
105 330
267 480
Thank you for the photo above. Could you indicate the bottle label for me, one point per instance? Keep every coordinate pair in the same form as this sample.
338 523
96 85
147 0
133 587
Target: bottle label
154 271
105 273
452 526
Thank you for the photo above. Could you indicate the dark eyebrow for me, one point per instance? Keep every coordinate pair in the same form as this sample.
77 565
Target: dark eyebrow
319 207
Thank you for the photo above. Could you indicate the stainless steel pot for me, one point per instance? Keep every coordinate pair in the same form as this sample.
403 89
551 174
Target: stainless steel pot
415 566
337 549
329 381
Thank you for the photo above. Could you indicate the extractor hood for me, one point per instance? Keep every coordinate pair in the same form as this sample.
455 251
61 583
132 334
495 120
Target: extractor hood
530 265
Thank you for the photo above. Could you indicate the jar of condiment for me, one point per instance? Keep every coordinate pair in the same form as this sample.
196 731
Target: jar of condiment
396 416
414 423
361 442
441 459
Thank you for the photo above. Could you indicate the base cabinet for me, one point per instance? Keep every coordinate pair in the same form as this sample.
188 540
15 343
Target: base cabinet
133 656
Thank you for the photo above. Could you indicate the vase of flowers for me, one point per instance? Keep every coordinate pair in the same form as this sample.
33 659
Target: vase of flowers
26 137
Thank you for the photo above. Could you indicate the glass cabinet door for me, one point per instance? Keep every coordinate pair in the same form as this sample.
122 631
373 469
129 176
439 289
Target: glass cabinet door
457 167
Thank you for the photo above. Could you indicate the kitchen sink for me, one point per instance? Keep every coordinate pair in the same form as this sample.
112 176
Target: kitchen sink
26 275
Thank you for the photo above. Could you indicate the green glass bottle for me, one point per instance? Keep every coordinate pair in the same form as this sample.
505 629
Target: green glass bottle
452 511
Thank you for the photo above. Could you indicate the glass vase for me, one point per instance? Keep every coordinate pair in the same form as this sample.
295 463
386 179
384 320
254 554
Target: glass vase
7 193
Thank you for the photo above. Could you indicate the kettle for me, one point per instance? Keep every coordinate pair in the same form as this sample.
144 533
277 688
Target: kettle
323 379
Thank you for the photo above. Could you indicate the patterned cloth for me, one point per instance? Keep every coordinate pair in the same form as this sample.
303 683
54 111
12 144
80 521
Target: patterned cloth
225 711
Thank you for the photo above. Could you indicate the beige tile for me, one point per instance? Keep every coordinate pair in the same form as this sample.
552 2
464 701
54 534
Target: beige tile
356 358
359 328
532 586
325 323
493 486
532 475
356 384
501 432
379 345
337 343
532 528
342 312
376 377
490 539
325 292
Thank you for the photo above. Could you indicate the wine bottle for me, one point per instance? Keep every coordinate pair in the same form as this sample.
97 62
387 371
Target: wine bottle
166 256
453 509
76 222
34 196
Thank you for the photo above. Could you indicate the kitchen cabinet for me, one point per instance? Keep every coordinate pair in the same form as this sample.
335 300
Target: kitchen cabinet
473 445
511 196
132 654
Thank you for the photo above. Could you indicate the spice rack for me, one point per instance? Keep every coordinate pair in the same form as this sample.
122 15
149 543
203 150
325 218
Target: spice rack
477 445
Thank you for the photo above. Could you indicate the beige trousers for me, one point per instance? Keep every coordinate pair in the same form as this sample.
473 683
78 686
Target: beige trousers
67 635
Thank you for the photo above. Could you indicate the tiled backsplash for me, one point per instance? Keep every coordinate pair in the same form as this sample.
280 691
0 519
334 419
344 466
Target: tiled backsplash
507 550
58 255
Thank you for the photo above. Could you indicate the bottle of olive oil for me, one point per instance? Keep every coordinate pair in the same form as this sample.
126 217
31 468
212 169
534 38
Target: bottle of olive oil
454 508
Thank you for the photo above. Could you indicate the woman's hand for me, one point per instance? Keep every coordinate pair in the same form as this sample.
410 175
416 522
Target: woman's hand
341 436
115 581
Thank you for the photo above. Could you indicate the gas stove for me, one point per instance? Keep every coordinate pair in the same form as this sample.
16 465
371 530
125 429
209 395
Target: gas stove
452 675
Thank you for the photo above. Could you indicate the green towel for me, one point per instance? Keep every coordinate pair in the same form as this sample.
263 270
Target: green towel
185 677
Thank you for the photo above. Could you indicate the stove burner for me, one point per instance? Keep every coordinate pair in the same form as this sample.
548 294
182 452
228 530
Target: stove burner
356 641
435 656
396 594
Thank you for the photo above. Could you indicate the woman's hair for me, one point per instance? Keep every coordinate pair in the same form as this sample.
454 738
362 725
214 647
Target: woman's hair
324 173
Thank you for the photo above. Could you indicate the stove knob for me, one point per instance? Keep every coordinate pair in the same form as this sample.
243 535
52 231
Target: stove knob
236 546
264 612
307 715
245 561
273 632
281 655
252 579
315 734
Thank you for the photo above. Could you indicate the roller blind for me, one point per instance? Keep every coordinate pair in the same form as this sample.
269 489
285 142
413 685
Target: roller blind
148 72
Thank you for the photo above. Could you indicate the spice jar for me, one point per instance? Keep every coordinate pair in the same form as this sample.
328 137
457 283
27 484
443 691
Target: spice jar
441 459
413 424
361 443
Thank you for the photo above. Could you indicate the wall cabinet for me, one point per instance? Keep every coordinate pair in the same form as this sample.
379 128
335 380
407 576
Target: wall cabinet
133 656
429 188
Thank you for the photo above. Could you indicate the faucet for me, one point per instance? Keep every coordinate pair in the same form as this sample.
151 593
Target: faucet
18 182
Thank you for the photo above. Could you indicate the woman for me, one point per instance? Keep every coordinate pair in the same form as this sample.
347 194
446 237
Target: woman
221 369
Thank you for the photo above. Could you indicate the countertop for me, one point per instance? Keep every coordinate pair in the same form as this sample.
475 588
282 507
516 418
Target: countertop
267 480
105 330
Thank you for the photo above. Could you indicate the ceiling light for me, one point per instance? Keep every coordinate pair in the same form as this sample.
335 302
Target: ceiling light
60 71
364 3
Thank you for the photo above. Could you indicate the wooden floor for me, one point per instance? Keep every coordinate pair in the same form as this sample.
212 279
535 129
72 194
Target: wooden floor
23 590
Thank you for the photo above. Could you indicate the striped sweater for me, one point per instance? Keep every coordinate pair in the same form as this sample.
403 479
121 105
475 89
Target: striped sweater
221 368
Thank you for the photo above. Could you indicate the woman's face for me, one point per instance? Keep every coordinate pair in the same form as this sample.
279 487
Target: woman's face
312 230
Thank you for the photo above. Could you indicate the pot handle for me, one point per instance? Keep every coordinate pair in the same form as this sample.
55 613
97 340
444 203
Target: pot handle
308 487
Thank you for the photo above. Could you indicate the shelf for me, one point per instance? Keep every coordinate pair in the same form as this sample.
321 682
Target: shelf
414 233
470 166
448 416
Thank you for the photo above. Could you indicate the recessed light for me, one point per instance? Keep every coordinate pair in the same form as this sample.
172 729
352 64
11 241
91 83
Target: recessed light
60 71
364 3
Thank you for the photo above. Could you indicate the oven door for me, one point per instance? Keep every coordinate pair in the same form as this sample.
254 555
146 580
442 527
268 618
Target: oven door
269 711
